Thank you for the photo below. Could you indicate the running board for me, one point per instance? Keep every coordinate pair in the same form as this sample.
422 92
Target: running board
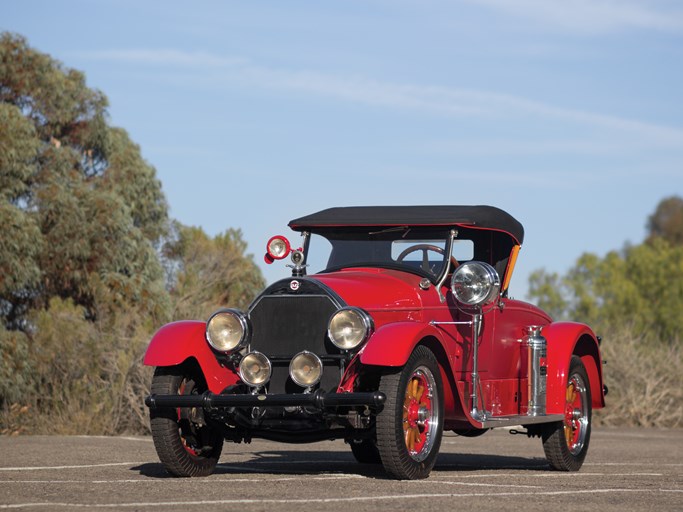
511 421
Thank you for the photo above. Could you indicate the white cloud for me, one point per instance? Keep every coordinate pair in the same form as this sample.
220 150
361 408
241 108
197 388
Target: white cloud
162 57
454 102
432 100
595 15
522 147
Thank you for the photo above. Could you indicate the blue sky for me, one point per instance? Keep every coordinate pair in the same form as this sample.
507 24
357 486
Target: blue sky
569 115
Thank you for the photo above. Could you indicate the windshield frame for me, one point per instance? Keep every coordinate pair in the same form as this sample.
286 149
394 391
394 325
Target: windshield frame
374 240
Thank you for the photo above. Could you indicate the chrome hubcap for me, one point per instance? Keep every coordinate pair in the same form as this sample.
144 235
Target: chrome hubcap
576 415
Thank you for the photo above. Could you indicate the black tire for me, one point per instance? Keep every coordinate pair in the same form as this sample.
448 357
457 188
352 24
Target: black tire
365 451
565 443
186 443
409 427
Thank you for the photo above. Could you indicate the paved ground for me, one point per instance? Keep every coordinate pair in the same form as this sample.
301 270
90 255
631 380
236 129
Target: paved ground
626 470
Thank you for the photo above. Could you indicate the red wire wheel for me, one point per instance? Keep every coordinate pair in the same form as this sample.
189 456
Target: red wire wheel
419 414
575 415
410 426
566 442
187 443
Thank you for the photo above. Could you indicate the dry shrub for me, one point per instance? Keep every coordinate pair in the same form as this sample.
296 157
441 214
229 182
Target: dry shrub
645 380
129 413
87 378
13 420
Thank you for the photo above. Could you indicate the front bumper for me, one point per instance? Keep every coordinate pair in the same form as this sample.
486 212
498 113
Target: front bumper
319 400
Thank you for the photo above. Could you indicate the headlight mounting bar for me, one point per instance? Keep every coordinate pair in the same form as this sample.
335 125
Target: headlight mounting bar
478 414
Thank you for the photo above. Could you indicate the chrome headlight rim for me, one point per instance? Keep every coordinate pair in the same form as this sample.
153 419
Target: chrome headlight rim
475 284
366 322
243 322
261 358
292 369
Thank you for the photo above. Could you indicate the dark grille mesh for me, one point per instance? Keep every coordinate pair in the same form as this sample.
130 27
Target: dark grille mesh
284 325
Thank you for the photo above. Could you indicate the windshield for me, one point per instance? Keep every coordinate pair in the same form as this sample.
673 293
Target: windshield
420 251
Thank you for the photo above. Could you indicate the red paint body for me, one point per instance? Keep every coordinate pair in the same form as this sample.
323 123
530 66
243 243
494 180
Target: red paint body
402 313
407 330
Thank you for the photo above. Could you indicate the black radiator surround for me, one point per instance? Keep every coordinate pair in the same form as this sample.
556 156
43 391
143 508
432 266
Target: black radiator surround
288 318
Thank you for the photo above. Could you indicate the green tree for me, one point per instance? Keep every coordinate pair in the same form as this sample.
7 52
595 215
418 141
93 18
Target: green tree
208 273
548 292
639 286
18 152
81 213
83 228
80 210
634 298
667 221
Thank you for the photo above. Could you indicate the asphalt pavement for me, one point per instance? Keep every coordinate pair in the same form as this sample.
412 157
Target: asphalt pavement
626 470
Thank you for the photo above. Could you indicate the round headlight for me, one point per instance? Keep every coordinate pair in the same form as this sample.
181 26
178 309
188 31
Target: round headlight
227 330
349 327
278 247
255 369
475 283
305 369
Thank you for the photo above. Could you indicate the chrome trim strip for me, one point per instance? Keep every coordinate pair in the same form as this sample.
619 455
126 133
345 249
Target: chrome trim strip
510 421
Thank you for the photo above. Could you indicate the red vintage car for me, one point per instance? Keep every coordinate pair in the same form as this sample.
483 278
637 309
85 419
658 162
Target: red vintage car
405 329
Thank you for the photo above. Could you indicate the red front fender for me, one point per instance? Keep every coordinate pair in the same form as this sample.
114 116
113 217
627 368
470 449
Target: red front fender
177 342
564 340
392 344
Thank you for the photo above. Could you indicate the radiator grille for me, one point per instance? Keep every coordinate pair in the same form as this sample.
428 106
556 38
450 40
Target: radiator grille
284 325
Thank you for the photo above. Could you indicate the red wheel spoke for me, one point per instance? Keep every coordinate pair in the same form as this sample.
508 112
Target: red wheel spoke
410 439
417 413
414 385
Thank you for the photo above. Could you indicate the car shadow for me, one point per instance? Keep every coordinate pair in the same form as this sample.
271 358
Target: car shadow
290 462
486 462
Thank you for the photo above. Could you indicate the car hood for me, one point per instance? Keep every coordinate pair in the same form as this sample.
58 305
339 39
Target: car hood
374 288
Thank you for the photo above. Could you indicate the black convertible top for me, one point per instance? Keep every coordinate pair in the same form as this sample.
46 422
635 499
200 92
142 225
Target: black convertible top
483 217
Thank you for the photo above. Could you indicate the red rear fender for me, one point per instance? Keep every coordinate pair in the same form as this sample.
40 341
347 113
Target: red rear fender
564 340
177 342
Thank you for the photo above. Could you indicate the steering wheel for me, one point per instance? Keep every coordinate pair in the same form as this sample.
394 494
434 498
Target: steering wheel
425 248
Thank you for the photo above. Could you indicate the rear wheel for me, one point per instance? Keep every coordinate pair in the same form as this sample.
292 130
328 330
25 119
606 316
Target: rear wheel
409 427
566 442
186 443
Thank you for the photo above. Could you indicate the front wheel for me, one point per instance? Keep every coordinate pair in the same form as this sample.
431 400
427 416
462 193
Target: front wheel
186 443
566 442
409 427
